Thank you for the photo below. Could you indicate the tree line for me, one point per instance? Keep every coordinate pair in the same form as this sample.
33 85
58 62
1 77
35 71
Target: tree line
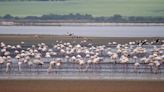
117 18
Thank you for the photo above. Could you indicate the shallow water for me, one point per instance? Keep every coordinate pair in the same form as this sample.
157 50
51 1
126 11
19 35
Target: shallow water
96 31
68 70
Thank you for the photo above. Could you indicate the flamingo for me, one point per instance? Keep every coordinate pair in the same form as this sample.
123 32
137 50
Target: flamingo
2 61
81 63
8 64
28 61
37 61
157 63
48 56
18 57
114 57
84 53
95 60
55 63
136 64
67 58
145 61
124 60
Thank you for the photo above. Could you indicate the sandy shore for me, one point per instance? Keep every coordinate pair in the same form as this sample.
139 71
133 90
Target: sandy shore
80 86
52 38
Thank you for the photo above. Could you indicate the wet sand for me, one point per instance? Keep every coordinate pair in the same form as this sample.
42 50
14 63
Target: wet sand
80 86
12 39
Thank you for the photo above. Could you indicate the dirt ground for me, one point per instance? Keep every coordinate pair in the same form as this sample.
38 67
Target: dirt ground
81 86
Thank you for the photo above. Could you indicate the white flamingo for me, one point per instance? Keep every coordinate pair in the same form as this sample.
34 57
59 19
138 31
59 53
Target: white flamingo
18 57
94 61
37 61
81 63
136 64
8 64
55 63
2 61
124 60
157 63
114 58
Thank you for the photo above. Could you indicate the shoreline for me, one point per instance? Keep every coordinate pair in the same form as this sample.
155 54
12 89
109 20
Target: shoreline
11 23
98 77
49 39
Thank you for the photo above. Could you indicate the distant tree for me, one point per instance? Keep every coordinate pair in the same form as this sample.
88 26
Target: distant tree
31 17
8 16
116 18
88 18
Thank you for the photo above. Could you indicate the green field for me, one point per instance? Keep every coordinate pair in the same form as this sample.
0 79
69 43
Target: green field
93 7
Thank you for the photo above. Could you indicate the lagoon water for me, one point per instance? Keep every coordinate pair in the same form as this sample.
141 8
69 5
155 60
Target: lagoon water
95 31
71 71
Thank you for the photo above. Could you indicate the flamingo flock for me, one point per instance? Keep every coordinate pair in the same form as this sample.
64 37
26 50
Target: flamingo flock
85 55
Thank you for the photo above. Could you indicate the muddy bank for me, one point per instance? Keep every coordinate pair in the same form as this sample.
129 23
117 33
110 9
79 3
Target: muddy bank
80 86
53 38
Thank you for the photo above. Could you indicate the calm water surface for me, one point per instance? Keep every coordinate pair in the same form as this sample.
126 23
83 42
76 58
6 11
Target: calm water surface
97 31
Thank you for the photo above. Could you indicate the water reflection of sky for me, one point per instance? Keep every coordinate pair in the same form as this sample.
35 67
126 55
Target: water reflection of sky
100 31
